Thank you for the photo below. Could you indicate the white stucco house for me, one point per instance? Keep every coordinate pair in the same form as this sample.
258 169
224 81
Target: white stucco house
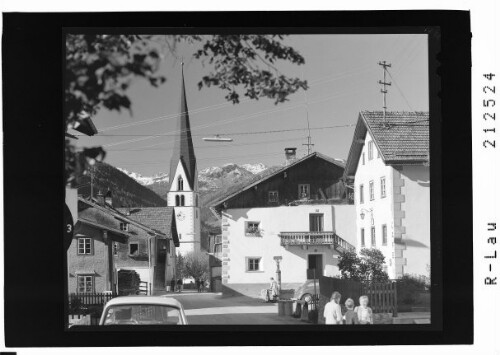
388 168
300 213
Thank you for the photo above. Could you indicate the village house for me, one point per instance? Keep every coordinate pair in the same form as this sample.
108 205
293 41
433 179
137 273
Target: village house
106 241
388 167
300 213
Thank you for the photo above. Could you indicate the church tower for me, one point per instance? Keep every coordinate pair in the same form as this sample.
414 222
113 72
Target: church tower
183 180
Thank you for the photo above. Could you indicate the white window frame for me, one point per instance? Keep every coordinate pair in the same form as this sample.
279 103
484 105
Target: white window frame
308 188
259 263
370 150
273 196
85 278
372 190
382 187
252 232
82 250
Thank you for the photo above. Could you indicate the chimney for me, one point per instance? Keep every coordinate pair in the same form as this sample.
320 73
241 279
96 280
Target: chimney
109 198
290 155
100 198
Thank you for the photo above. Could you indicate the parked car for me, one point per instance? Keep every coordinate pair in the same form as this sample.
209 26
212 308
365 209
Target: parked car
306 291
143 310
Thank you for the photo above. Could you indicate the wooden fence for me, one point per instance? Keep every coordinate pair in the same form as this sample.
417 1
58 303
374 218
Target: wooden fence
382 296
90 299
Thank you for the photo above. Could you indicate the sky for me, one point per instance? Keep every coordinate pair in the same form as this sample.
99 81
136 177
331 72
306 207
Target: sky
342 73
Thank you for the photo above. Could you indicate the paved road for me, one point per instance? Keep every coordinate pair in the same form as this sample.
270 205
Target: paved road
211 308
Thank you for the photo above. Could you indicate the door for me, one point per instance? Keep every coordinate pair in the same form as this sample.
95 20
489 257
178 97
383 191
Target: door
314 266
316 222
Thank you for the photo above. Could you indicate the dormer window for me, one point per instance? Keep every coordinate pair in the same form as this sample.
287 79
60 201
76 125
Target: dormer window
124 226
180 183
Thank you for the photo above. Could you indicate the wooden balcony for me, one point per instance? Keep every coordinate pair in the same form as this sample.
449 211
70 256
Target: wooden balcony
315 238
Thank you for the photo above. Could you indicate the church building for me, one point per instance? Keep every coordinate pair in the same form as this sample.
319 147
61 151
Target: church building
183 183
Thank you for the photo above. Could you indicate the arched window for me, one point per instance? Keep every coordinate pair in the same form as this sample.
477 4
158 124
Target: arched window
180 183
177 203
182 200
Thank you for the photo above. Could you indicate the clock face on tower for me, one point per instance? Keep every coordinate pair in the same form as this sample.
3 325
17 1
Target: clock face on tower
181 215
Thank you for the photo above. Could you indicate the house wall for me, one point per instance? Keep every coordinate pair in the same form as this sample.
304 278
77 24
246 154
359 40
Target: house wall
95 264
273 220
373 170
416 222
188 226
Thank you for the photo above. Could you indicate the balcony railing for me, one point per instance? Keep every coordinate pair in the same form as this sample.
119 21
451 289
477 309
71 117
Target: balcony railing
315 238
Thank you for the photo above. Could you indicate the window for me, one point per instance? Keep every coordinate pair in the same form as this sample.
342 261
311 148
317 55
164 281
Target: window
316 222
253 264
182 200
180 183
382 187
133 248
85 284
372 191
361 194
196 200
378 153
362 237
177 200
384 234
124 226
252 228
273 196
303 191
84 246
115 248
373 237
363 158
196 213
370 150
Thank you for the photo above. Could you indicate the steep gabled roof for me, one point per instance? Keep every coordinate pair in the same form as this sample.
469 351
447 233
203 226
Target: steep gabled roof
339 163
183 145
404 140
107 211
160 219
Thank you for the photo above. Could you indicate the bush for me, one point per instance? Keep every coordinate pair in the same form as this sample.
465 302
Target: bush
409 288
128 282
367 266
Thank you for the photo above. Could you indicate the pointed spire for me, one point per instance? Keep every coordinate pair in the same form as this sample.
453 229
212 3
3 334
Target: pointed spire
183 145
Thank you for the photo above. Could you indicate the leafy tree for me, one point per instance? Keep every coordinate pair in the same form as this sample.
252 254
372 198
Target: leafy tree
196 265
180 266
367 266
349 265
371 266
100 68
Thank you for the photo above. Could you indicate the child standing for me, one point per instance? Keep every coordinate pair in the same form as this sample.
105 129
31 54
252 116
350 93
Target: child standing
350 316
365 314
332 312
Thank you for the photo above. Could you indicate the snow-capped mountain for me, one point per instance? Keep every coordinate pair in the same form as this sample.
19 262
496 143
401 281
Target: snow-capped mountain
146 180
209 178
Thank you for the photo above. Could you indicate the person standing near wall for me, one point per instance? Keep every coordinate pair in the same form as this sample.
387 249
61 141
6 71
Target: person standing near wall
333 312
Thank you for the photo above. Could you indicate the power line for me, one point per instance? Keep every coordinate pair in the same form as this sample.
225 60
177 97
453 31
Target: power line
399 89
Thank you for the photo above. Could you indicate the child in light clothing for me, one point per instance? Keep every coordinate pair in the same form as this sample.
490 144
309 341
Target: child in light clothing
350 316
332 312
364 313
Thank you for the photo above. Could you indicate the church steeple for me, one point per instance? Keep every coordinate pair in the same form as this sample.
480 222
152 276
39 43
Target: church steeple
183 145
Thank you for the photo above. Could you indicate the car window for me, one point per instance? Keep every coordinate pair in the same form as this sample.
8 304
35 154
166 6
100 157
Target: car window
142 314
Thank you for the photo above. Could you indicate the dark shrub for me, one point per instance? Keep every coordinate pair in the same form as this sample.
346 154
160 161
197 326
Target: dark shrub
409 288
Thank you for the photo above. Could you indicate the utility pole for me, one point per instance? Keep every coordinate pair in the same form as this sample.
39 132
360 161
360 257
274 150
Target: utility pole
91 182
384 66
309 140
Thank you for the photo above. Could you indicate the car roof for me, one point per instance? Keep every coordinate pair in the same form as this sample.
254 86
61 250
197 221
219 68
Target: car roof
133 299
